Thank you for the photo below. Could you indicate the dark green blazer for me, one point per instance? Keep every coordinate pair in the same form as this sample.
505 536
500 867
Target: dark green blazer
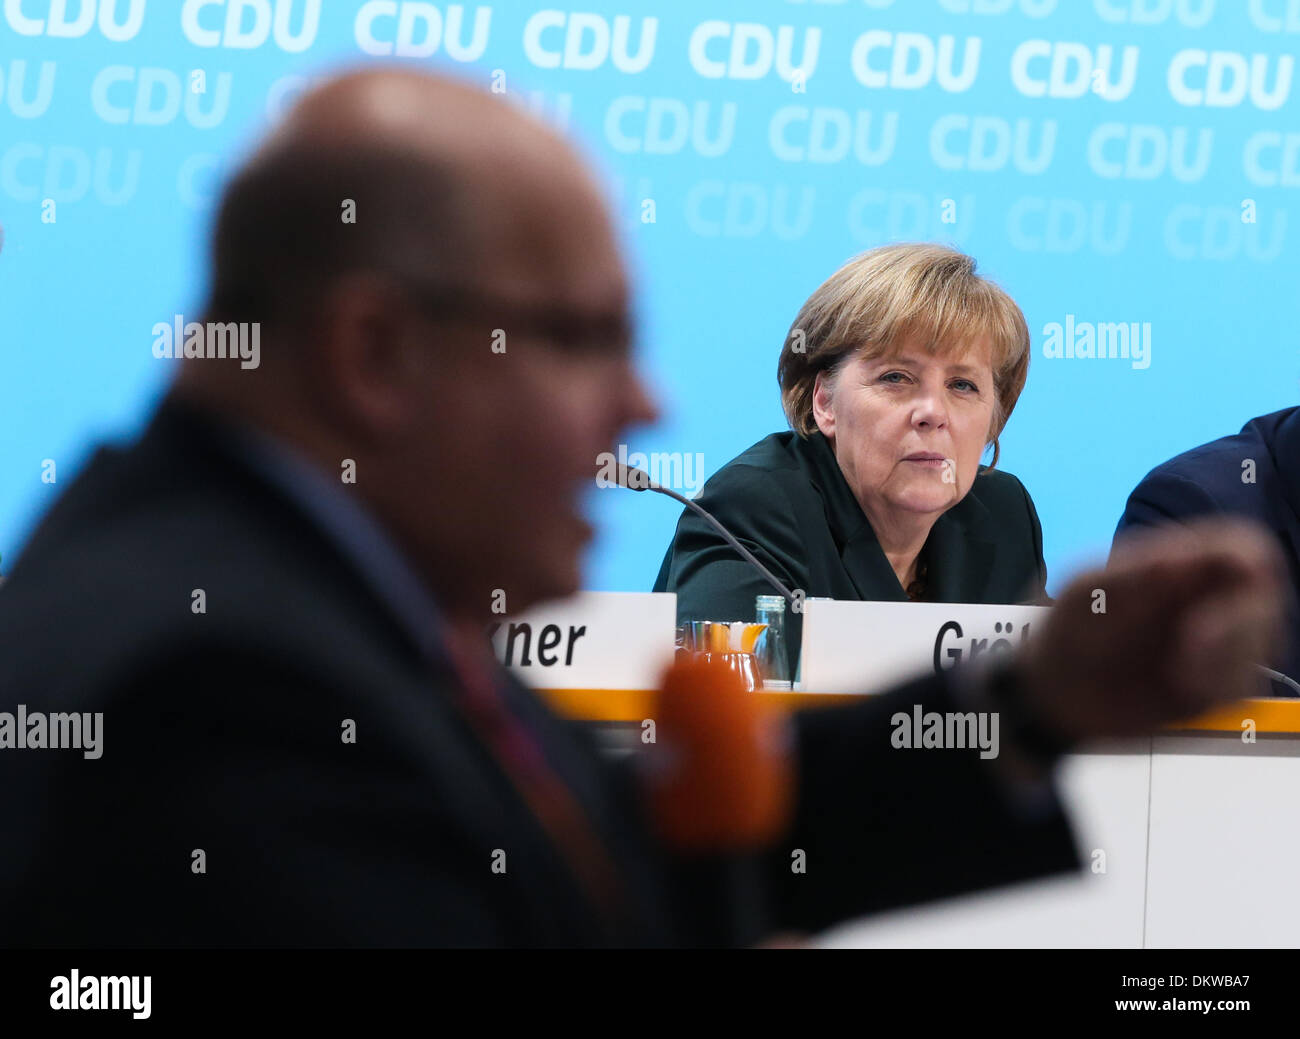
786 500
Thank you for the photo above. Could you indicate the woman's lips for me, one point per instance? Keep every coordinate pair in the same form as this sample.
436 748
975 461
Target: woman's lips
929 461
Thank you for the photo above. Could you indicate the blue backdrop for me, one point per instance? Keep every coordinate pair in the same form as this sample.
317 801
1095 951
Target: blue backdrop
1109 162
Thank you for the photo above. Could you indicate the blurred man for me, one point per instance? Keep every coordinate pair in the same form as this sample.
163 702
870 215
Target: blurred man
1253 474
274 601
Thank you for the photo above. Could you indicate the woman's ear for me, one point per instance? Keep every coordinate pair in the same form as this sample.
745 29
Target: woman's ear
823 404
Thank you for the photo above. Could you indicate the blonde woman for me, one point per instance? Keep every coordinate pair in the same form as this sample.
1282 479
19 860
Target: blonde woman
897 375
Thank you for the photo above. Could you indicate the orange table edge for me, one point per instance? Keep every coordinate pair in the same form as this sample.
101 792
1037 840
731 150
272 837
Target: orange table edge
634 705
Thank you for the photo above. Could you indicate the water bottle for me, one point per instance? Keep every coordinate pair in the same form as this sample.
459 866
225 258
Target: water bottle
773 664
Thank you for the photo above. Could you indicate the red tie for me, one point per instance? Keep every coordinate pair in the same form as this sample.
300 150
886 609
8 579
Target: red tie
519 754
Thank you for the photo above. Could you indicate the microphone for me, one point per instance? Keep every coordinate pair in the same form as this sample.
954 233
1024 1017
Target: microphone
1277 676
639 480
720 788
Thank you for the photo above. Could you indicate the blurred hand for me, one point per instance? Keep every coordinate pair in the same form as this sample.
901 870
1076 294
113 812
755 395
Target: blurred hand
1189 611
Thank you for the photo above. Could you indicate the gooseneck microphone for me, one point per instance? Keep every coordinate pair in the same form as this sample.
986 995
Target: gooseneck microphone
639 480
1277 676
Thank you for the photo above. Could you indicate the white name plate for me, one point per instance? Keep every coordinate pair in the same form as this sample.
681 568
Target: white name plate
865 647
594 640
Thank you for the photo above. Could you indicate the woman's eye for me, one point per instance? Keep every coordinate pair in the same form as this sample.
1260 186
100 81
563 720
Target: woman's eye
892 376
965 384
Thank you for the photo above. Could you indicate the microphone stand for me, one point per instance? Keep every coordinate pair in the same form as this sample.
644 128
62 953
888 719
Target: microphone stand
639 480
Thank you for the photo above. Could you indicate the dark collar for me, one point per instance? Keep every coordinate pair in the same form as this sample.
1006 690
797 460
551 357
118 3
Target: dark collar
341 519
959 551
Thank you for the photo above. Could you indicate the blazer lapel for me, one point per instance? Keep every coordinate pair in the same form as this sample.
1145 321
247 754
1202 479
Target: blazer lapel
869 569
860 552
960 550
960 554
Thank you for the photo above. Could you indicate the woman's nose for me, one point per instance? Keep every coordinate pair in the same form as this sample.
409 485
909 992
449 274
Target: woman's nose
930 409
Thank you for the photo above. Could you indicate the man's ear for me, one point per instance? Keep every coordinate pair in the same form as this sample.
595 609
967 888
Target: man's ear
367 352
823 404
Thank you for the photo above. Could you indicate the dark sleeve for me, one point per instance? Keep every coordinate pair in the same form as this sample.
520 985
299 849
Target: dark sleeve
1164 497
307 841
880 826
712 580
1038 592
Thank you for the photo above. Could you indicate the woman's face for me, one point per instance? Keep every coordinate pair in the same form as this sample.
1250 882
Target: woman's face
908 429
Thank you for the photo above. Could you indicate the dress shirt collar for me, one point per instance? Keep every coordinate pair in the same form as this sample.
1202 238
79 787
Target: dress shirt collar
339 513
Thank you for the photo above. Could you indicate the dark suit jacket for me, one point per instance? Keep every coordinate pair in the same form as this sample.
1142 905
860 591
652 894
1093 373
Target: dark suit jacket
222 733
1212 479
787 501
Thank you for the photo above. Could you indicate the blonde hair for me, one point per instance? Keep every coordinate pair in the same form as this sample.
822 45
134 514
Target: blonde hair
883 296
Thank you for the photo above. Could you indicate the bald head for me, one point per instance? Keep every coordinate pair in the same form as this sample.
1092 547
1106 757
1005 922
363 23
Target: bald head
442 307
445 119
417 177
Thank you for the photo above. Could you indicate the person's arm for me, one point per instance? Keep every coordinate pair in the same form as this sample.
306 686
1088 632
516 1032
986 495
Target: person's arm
1038 593
879 826
1169 629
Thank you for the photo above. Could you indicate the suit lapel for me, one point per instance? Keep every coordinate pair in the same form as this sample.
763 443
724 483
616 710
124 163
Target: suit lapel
869 570
960 554
863 559
960 550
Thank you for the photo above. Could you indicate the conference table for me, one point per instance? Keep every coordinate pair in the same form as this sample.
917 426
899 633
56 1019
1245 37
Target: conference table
1190 838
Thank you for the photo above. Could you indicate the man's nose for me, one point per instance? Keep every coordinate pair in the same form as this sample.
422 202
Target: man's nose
640 408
